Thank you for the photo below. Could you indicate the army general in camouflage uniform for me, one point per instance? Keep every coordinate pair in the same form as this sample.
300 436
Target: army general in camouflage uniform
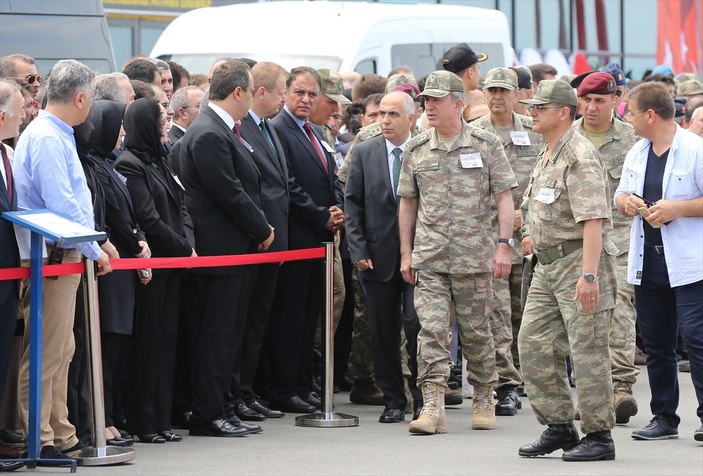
613 139
567 212
521 147
448 177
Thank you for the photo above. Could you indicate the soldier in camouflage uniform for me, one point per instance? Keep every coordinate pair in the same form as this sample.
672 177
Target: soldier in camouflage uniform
566 212
521 147
448 178
613 139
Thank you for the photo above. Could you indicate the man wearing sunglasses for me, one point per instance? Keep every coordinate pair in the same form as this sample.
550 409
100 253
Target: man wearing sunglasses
19 66
566 210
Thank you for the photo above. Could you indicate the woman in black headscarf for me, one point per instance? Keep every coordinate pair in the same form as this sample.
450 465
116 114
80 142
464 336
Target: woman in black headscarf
157 197
117 289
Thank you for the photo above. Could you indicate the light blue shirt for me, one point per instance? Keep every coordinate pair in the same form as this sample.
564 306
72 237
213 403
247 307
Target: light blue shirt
683 180
48 175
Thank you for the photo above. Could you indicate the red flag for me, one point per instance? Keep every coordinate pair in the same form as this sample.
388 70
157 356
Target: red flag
677 35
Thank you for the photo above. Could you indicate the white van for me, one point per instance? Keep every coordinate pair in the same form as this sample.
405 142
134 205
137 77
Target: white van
343 36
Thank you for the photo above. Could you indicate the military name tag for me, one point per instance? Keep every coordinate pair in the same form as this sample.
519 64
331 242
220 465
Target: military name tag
546 195
471 161
520 138
327 147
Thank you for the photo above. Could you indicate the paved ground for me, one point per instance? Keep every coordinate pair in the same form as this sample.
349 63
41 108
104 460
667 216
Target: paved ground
376 449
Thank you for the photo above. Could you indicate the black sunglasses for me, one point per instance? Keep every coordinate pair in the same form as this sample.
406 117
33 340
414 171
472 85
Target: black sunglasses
30 78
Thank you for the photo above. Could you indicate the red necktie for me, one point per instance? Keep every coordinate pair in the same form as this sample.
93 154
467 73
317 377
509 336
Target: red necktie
236 133
8 171
315 145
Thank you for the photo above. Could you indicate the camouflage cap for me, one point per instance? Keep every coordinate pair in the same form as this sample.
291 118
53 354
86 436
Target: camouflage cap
331 85
441 83
553 91
397 79
692 87
505 78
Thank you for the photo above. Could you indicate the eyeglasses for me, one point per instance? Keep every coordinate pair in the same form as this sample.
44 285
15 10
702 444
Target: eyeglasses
541 107
30 78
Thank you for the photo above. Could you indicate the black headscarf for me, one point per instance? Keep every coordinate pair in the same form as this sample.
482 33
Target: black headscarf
142 123
108 120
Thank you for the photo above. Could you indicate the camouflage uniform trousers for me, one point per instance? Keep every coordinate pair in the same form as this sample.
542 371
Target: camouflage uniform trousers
502 330
361 356
515 283
552 328
622 328
472 298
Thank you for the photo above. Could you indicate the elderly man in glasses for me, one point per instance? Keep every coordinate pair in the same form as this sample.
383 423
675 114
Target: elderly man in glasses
19 66
566 221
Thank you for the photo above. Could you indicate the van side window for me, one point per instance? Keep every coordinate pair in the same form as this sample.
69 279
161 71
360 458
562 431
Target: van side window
366 66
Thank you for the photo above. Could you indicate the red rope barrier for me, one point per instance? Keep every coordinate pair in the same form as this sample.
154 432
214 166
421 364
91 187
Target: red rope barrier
162 263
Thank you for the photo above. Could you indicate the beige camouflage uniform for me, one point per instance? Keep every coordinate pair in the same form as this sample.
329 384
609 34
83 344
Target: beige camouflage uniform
507 312
613 150
552 324
453 248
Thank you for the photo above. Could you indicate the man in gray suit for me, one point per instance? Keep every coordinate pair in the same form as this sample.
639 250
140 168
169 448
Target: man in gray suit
371 208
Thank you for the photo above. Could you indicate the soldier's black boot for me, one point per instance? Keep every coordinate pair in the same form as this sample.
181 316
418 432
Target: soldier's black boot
562 436
596 446
508 401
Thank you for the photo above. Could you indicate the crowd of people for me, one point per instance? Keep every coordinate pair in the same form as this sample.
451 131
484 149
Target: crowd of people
549 228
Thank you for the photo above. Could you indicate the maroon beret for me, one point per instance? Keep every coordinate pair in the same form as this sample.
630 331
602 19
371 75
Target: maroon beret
597 83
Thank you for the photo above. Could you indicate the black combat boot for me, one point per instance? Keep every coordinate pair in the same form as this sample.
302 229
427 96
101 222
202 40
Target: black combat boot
561 436
595 446
508 401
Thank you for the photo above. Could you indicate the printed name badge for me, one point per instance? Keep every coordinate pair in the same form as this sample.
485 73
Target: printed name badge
328 147
471 161
520 138
178 181
546 195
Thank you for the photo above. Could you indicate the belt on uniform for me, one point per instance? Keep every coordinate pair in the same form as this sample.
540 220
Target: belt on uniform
552 254
658 248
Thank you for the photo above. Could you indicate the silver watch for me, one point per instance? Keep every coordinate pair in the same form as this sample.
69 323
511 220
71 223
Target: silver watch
590 277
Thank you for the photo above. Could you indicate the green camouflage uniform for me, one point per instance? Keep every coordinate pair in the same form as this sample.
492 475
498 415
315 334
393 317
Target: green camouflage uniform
454 247
507 312
616 144
552 324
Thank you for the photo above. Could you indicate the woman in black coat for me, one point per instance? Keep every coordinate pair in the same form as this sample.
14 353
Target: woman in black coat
157 197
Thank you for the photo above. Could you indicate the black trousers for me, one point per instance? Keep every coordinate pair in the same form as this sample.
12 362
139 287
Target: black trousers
150 387
297 310
113 351
223 302
8 321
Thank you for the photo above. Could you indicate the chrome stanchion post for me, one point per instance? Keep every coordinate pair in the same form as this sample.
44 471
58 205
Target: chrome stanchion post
328 418
100 454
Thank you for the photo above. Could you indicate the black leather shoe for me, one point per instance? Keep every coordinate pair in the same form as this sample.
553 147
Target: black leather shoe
151 438
244 412
263 410
7 466
508 401
75 450
8 437
392 415
312 399
49 452
596 446
293 405
221 428
417 409
563 436
170 436
659 428
698 434
237 423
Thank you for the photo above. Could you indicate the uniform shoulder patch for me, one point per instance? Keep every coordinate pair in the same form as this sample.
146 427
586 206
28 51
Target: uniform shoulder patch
483 134
369 132
418 140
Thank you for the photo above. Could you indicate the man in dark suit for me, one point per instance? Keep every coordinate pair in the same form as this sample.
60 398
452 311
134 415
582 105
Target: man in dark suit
315 214
11 116
223 194
371 209
185 104
269 97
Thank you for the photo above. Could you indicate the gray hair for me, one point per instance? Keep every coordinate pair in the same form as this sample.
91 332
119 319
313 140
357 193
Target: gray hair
698 111
409 105
7 64
227 77
160 64
68 78
180 98
7 90
458 96
107 86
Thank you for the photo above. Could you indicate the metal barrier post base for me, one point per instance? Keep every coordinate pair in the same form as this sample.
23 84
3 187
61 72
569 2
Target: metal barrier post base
327 420
105 456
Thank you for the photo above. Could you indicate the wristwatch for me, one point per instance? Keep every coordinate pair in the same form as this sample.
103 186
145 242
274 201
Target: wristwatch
590 277
508 241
